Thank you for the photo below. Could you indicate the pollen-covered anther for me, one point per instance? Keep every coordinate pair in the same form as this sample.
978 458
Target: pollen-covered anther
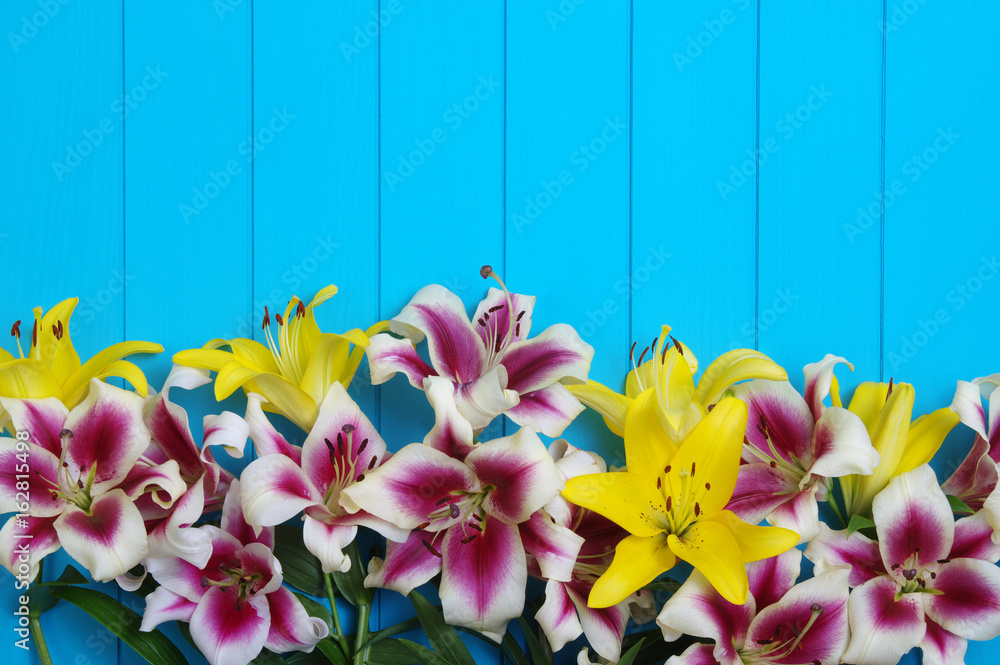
680 349
431 549
15 330
372 462
300 309
277 317
267 319
422 526
697 509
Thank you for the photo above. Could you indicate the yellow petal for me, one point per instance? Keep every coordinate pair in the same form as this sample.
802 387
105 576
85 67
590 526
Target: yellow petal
250 353
674 387
629 500
27 378
927 433
638 561
712 549
889 434
327 364
285 398
96 365
868 400
647 449
733 367
300 334
711 455
5 356
119 368
59 354
611 405
756 542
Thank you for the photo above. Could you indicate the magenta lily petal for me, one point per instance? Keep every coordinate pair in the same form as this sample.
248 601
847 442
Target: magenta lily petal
456 350
266 439
411 486
557 616
481 400
812 617
772 578
174 536
967 599
842 445
292 629
483 579
164 605
407 565
35 466
800 514
883 628
552 547
913 516
941 647
975 478
696 654
22 547
788 419
819 379
162 482
185 578
604 627
388 355
109 540
327 543
549 410
759 490
275 489
500 311
968 404
42 418
974 539
697 609
452 432
556 354
521 470
171 436
833 548
236 525
108 431
228 633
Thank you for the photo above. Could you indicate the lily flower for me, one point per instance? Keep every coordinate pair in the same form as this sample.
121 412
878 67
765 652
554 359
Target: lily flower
781 622
672 501
52 367
341 449
493 366
902 446
234 603
670 372
929 581
85 471
462 509
792 448
294 373
976 477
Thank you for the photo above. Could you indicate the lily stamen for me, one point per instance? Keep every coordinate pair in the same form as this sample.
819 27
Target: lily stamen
15 332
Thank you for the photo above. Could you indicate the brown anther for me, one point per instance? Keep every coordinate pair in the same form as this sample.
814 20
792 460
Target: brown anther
53 494
889 391
680 349
697 509
300 309
669 502
468 540
520 314
15 330
653 345
55 331
486 316
361 448
631 352
473 525
659 483
933 575
59 323
34 334
340 443
360 478
708 486
481 322
895 566
943 560
421 527
277 317
443 499
430 548
495 308
479 518
333 452
372 463
517 330
267 319
642 355
692 467
485 271
774 465
666 469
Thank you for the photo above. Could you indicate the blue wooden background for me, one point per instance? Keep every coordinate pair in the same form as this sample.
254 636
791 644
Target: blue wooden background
716 165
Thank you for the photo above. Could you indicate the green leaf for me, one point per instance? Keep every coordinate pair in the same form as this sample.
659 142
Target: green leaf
443 637
630 655
390 651
124 623
40 600
267 657
298 565
424 655
327 645
959 506
666 584
513 650
401 627
538 654
352 583
301 658
857 523
70 575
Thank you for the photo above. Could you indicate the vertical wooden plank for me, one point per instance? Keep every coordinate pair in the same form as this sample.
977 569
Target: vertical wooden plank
693 248
820 150
316 176
187 186
441 176
568 180
61 221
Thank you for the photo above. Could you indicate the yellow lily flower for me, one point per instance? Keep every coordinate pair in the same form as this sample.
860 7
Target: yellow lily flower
903 446
52 367
672 500
670 372
294 374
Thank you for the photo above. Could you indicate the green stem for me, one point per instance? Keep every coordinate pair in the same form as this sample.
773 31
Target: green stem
35 626
836 509
333 607
360 650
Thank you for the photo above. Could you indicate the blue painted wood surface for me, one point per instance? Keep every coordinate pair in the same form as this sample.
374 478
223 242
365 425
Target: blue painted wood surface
718 166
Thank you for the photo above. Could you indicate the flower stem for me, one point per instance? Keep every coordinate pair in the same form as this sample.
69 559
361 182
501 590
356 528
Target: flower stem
333 606
360 650
836 509
35 624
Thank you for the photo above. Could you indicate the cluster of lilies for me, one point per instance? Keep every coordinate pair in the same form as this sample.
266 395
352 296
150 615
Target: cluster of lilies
727 473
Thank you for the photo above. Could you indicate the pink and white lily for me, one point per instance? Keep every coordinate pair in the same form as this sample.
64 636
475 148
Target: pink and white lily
493 366
462 503
976 477
563 532
81 477
929 581
234 602
341 449
793 446
781 622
